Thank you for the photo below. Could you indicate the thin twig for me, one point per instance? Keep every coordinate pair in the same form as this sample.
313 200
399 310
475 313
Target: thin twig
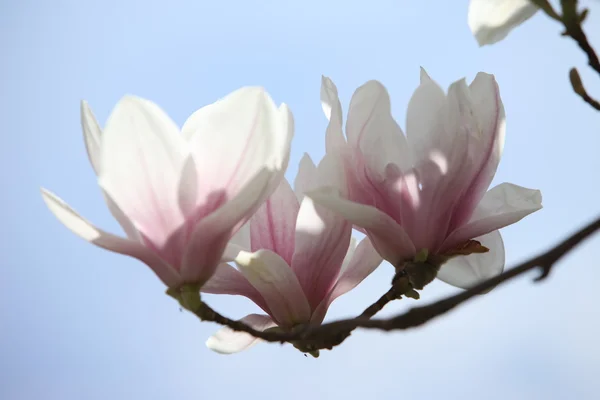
331 334
578 88
571 19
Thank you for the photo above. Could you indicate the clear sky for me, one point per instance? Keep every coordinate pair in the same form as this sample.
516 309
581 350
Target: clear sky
78 322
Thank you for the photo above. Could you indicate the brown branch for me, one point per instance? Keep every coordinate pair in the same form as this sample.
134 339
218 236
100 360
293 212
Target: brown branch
328 335
419 315
571 20
580 90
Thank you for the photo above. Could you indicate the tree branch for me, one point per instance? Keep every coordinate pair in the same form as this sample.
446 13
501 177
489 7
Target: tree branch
328 335
578 88
571 20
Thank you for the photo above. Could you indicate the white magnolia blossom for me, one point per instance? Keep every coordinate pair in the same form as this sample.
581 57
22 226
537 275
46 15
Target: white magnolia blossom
180 195
426 190
295 258
492 20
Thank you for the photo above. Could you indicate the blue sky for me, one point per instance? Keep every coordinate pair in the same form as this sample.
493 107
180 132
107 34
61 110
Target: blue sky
79 322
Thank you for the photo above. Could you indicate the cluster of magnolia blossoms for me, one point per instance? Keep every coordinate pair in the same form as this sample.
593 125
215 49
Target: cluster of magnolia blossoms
194 200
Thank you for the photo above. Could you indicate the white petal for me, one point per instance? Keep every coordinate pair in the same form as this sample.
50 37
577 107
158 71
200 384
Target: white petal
306 176
91 135
187 192
334 137
273 226
322 240
467 271
228 280
208 242
121 218
349 254
389 238
487 142
237 136
361 264
89 232
227 341
501 206
275 281
492 20
424 117
239 242
372 129
489 112
142 160
322 235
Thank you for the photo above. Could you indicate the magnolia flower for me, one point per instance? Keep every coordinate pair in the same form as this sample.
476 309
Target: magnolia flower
296 259
180 196
426 192
492 20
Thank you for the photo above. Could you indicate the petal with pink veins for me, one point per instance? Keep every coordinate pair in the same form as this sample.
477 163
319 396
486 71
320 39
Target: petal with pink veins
235 137
363 261
322 236
372 129
208 241
228 280
487 140
389 238
423 118
501 206
142 160
273 226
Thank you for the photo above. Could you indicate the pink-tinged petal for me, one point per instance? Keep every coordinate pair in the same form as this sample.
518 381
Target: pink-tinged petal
91 135
488 141
276 282
227 341
234 138
364 260
492 20
334 136
273 225
330 174
84 229
188 188
208 241
305 178
121 218
228 280
349 254
389 238
444 170
322 236
372 129
467 271
501 206
423 117
239 242
322 240
142 159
